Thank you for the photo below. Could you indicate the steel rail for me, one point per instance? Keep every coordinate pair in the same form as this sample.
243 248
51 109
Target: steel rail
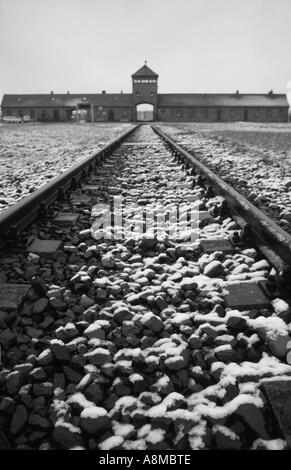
271 239
22 213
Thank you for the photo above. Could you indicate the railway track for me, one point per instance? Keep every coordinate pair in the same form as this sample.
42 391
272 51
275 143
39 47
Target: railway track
14 219
272 240
262 179
114 340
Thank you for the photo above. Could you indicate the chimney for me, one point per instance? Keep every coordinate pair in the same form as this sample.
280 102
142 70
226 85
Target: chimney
271 94
237 94
121 92
68 92
52 92
103 92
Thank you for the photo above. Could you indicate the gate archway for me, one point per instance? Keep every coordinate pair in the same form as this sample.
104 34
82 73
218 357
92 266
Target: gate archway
145 112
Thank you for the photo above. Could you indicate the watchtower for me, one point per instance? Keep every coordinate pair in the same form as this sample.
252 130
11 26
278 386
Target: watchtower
145 90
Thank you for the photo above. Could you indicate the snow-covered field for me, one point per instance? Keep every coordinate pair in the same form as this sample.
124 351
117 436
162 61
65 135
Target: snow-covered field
32 154
271 138
253 157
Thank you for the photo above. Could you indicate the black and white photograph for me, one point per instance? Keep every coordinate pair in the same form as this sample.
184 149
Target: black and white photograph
145 228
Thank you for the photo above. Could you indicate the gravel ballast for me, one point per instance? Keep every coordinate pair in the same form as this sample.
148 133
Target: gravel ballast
128 343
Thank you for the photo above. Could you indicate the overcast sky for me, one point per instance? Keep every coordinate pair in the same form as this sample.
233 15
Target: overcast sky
194 45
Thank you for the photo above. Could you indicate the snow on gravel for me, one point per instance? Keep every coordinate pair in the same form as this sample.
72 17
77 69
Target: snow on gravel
32 154
128 344
253 157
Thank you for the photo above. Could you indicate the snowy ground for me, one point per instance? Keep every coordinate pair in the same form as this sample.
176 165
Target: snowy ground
128 344
32 154
253 157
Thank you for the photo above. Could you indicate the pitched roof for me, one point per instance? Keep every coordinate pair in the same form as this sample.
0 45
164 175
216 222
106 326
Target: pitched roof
211 99
145 71
125 100
56 100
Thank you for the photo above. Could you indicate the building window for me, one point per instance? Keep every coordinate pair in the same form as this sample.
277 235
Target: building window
152 93
137 93
269 113
232 112
43 114
18 99
192 113
53 99
124 114
56 115
20 113
84 98
115 99
144 80
8 112
257 113
205 113
32 113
